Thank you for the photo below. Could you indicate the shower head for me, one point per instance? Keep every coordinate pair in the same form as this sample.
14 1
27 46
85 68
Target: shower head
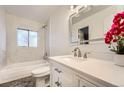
44 27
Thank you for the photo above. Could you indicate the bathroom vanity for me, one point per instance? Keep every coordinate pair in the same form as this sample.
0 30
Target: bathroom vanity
67 71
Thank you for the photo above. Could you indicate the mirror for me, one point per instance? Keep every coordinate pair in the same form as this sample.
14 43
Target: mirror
85 25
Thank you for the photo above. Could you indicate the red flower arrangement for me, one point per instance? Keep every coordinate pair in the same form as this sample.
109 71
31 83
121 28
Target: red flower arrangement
115 36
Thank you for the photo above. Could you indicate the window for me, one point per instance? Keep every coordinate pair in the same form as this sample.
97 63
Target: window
32 39
26 38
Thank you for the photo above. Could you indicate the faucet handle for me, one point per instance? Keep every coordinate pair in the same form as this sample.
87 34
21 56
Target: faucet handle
79 54
85 54
75 54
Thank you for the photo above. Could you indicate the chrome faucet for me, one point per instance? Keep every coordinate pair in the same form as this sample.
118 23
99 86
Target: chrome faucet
75 52
85 55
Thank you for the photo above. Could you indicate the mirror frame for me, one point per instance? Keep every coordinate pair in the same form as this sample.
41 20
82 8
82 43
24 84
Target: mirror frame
70 32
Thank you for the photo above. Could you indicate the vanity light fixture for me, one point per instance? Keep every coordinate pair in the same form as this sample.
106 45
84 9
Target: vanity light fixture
76 9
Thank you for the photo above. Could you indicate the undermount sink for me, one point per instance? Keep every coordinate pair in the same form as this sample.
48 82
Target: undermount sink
71 58
68 58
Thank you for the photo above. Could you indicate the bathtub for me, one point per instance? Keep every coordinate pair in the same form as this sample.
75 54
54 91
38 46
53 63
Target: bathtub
19 70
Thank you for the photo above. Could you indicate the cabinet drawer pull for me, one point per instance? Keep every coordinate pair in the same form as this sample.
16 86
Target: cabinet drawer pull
58 84
59 71
56 69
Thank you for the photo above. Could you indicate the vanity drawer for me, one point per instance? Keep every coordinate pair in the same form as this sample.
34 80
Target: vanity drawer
84 83
90 82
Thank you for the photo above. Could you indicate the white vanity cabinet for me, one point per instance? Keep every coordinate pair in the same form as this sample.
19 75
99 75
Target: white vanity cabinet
62 76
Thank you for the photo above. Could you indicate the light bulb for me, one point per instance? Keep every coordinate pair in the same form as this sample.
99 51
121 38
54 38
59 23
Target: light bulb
72 7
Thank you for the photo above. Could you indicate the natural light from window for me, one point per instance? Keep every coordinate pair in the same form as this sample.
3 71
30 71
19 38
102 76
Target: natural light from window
26 38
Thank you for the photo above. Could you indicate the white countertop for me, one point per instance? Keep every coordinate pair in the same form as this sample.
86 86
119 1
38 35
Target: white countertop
101 69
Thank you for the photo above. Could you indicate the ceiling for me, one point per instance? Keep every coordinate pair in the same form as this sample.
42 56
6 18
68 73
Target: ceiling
40 13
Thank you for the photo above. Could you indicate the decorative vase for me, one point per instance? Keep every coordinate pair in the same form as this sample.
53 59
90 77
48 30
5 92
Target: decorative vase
119 59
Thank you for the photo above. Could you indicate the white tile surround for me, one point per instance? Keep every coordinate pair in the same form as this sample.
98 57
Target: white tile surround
21 54
97 50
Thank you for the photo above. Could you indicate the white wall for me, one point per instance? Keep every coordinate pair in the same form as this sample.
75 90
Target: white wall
59 33
59 40
2 37
21 54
